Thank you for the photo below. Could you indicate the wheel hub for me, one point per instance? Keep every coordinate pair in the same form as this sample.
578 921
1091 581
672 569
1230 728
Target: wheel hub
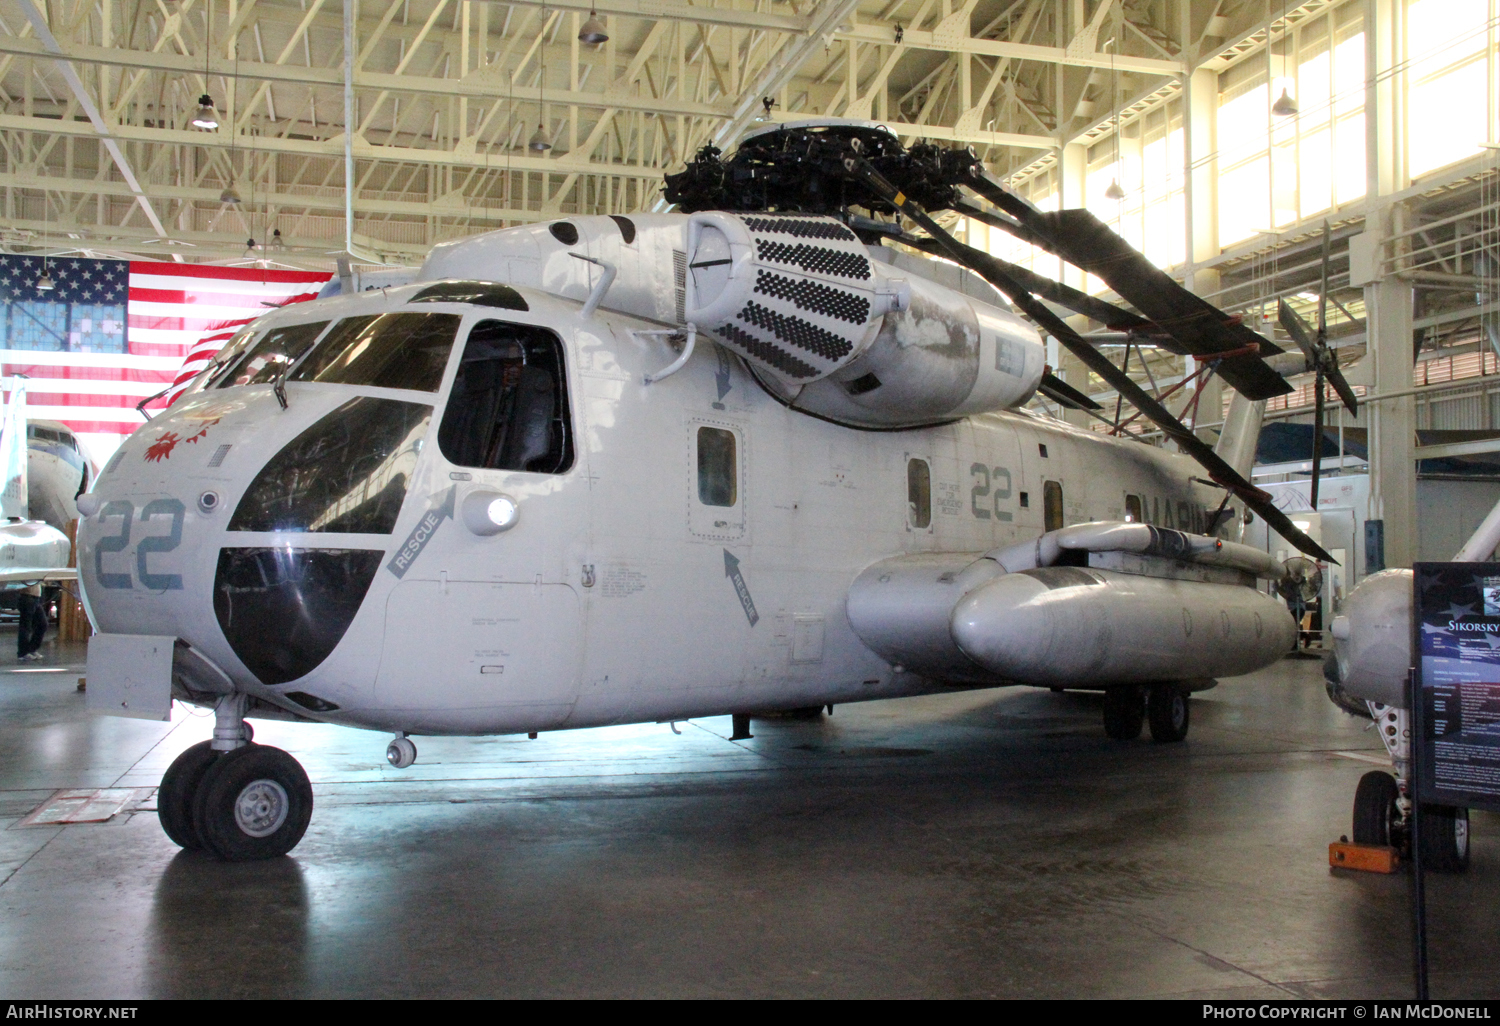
261 808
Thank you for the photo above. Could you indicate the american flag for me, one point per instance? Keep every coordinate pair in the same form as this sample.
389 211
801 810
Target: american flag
112 332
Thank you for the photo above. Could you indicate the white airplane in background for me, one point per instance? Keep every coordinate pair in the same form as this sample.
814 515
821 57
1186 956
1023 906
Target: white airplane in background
610 470
58 472
31 551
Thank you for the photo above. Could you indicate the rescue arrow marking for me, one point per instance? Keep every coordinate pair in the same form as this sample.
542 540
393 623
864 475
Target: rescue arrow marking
422 534
732 571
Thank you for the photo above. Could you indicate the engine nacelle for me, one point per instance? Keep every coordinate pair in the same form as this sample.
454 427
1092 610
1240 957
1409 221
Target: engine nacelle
1372 638
846 337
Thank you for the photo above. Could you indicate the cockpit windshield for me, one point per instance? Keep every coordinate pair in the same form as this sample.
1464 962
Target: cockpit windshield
277 349
396 350
227 356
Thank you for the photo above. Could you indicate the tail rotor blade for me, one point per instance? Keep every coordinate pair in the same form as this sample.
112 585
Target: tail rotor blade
1317 452
1345 393
1297 328
1323 289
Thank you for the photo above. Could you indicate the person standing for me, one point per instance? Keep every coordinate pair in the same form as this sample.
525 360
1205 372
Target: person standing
32 627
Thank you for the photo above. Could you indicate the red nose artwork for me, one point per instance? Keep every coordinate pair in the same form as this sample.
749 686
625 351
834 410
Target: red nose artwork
162 447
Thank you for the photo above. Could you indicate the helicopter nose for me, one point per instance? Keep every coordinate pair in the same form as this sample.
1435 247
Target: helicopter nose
260 563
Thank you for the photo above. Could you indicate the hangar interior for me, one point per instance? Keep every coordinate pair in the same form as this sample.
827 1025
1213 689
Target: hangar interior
1343 154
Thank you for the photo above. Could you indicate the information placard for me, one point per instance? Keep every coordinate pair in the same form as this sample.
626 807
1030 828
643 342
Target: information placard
1456 725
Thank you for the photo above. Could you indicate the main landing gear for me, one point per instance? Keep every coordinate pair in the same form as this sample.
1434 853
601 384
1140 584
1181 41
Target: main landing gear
234 798
1128 707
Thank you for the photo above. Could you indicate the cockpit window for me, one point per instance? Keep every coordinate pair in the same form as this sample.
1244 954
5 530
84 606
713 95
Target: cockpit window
226 357
509 407
277 349
396 350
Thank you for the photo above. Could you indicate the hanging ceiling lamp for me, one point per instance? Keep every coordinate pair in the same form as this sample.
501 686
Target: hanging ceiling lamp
45 283
249 247
541 139
1285 106
1114 191
593 31
206 118
230 195
277 243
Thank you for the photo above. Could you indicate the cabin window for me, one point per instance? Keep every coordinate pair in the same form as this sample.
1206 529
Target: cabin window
277 350
509 405
1052 505
1133 509
398 350
918 494
718 467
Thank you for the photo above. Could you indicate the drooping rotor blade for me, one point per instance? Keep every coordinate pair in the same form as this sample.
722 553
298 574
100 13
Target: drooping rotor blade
988 267
1203 329
1084 241
1064 394
1114 317
996 220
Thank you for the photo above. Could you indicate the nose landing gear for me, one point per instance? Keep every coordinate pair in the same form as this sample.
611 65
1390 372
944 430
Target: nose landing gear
239 800
401 753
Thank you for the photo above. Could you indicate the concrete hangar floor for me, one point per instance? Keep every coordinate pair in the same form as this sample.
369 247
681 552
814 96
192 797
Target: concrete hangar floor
989 843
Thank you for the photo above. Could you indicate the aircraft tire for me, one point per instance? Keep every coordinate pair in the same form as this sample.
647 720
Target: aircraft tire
1124 712
179 786
1376 815
254 803
1445 838
1168 709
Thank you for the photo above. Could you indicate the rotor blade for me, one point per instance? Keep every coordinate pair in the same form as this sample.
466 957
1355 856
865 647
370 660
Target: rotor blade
1059 391
989 268
997 220
1114 317
1297 328
1084 241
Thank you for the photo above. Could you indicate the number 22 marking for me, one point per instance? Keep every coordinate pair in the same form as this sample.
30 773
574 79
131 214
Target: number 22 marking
145 548
983 489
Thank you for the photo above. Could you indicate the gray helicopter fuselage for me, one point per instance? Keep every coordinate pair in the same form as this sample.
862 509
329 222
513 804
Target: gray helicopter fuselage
689 552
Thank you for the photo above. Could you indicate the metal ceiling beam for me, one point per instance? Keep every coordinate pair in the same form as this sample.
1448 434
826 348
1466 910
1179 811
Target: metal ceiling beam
479 84
333 148
86 100
699 14
929 40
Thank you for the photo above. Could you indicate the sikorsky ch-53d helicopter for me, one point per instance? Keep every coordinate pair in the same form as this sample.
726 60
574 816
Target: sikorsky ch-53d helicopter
759 454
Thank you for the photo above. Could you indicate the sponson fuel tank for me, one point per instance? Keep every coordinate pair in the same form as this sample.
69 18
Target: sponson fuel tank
1085 606
1061 625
